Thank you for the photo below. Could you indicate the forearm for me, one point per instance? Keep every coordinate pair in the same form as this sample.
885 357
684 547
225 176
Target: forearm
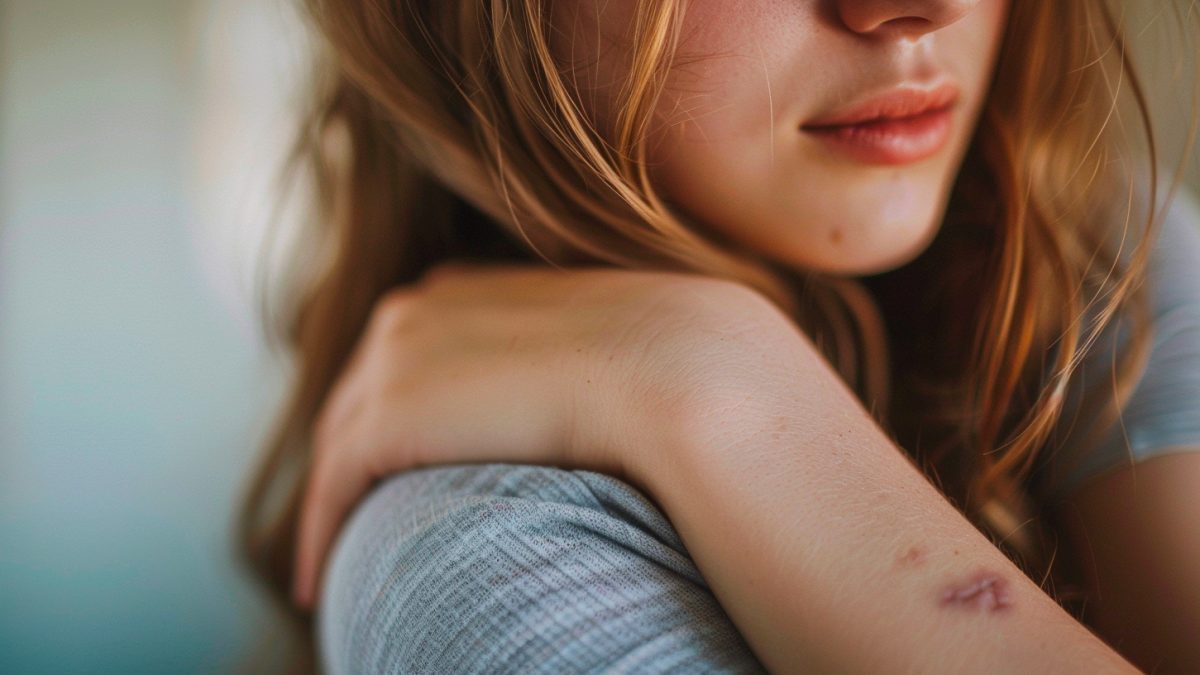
831 552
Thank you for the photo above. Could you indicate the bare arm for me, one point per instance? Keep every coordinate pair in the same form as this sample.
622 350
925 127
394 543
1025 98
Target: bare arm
832 552
1136 532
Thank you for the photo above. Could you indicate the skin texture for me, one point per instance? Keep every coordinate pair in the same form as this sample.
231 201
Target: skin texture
468 365
704 396
729 150
788 497
687 387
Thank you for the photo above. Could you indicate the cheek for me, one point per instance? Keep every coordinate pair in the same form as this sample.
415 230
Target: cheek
727 153
722 87
975 41
718 90
718 123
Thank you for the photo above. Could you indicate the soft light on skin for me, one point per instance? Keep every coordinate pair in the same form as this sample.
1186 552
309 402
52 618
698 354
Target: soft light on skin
729 150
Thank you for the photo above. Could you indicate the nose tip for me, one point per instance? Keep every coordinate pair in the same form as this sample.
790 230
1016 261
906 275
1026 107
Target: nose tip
908 18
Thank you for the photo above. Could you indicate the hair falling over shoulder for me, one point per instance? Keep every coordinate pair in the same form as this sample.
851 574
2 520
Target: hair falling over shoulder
446 130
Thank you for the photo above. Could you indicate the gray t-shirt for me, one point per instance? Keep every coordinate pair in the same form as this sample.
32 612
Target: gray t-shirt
1163 414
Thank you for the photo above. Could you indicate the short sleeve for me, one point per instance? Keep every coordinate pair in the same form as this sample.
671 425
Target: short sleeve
1163 414
516 568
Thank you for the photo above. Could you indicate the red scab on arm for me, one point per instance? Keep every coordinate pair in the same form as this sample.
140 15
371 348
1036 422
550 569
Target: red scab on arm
985 591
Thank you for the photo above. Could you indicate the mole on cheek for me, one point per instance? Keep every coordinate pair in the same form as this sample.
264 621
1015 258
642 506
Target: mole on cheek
835 235
984 591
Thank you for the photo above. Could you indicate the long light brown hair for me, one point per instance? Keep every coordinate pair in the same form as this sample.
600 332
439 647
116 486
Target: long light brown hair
446 130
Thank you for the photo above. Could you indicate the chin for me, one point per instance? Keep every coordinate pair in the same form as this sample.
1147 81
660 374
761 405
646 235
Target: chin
882 245
872 265
900 252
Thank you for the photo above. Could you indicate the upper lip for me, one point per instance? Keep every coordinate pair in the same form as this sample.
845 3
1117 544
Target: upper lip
897 102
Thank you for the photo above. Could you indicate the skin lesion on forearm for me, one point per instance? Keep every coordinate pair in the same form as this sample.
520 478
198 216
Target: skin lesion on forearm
789 526
985 590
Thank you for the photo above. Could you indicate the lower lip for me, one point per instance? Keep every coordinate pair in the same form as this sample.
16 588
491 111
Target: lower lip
890 142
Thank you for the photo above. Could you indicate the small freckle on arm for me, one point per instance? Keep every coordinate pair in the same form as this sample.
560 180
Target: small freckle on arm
914 556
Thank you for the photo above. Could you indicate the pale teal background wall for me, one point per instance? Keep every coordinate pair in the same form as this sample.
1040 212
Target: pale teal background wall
133 390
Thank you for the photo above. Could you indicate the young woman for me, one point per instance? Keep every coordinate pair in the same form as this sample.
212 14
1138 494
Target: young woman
721 335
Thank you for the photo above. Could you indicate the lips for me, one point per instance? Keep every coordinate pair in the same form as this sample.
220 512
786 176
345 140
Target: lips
903 125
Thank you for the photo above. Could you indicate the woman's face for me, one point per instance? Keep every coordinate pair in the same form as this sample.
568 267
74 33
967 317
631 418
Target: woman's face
825 134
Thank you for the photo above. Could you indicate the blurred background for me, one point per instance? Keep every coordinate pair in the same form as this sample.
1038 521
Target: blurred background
138 142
